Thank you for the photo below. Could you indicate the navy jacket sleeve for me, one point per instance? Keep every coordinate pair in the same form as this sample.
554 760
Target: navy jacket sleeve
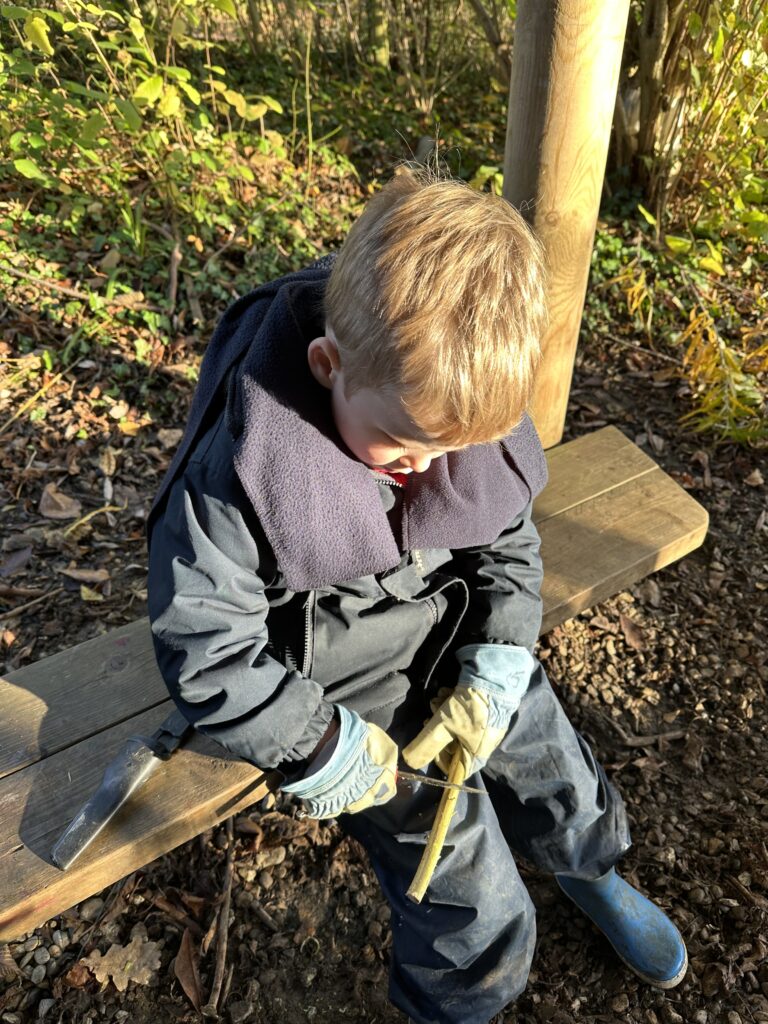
209 614
504 581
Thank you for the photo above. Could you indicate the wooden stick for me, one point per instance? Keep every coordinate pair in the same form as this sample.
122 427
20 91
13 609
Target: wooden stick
212 1006
434 846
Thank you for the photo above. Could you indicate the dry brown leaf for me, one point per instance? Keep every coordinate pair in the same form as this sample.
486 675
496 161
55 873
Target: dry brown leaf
9 637
169 438
54 504
87 594
77 976
186 970
9 969
599 621
86 575
755 479
108 461
16 560
650 592
138 962
633 634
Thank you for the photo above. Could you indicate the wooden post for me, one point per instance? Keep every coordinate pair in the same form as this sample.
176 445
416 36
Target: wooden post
565 71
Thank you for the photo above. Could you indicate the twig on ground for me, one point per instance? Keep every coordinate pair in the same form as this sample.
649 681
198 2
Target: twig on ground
25 607
644 741
173 285
264 917
211 1007
40 391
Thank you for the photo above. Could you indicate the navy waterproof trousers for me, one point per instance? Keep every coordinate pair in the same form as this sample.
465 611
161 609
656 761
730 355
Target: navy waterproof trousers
465 952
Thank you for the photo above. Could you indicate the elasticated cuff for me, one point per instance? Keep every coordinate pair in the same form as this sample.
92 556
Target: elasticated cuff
316 729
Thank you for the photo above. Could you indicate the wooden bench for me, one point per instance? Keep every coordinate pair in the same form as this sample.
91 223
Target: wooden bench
607 518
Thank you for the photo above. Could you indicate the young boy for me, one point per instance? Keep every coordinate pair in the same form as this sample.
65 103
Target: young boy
344 533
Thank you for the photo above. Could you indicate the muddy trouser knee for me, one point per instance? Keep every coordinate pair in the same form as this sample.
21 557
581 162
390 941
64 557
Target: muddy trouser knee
465 952
553 801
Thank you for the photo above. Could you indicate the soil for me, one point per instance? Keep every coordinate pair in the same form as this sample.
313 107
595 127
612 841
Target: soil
683 652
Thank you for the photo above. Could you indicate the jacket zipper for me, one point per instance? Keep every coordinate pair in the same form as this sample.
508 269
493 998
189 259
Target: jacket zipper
309 608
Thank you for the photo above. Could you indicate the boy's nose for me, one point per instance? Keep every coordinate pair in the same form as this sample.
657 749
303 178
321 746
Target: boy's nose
418 463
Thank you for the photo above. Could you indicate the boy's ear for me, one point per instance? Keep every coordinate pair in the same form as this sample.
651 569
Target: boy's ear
324 361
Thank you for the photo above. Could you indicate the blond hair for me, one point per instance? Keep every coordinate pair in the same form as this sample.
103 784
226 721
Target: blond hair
437 296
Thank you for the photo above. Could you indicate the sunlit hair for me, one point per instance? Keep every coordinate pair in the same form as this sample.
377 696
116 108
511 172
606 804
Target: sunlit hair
437 297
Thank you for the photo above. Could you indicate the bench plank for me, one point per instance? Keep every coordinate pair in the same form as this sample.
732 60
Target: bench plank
608 517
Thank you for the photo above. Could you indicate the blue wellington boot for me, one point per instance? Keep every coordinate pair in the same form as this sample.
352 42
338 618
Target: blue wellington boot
641 934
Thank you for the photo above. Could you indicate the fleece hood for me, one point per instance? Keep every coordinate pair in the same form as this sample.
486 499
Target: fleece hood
320 508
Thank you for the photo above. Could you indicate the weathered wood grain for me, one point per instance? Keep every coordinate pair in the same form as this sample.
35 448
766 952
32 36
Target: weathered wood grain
565 70
192 791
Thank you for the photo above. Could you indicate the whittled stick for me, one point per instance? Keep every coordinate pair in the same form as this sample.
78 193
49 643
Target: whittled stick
434 846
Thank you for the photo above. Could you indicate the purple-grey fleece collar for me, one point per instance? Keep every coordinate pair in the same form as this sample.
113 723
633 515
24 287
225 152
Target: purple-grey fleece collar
319 507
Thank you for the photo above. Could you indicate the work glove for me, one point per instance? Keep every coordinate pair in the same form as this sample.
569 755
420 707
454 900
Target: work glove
476 713
360 773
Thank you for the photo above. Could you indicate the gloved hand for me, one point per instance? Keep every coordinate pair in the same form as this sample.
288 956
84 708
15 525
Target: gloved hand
476 714
360 773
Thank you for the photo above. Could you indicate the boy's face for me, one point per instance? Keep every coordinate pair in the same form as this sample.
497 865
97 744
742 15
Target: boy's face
372 423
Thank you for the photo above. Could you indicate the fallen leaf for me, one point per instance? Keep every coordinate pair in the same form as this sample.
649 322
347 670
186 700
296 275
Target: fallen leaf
650 592
599 621
54 504
129 427
86 594
713 979
9 637
755 479
9 969
186 970
86 575
138 962
119 410
15 561
633 633
169 438
77 976
108 461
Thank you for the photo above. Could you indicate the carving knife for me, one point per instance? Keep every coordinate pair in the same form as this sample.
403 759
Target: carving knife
136 760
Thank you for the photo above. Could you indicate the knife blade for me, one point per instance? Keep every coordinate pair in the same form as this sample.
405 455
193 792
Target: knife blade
136 760
414 778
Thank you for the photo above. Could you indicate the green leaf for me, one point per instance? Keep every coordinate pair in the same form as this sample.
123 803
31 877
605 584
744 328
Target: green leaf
227 6
677 244
271 103
29 169
149 91
237 100
707 263
14 13
717 49
191 92
23 67
91 129
36 31
130 114
253 111
695 24
647 214
170 102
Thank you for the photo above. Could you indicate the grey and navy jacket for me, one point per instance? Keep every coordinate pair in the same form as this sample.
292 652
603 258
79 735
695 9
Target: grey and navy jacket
285 576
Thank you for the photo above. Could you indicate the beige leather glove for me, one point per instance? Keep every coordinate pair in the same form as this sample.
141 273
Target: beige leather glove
360 772
476 714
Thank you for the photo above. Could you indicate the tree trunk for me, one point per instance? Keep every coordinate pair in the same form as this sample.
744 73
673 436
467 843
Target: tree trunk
565 70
